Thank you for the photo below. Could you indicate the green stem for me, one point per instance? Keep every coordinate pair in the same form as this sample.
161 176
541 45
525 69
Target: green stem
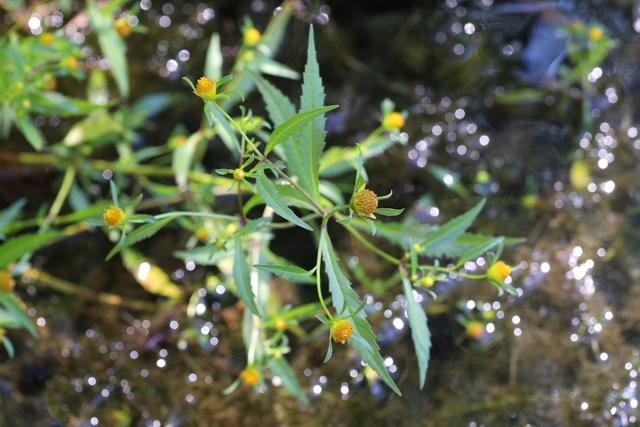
262 157
331 212
370 245
318 267
65 187
203 214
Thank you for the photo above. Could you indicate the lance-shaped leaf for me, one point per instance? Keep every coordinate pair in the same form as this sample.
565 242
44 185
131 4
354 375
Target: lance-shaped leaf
10 302
344 297
13 249
419 330
453 229
242 278
7 215
479 250
281 368
289 272
294 125
140 233
267 190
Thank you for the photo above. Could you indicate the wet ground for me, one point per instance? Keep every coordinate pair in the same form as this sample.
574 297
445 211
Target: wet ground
495 97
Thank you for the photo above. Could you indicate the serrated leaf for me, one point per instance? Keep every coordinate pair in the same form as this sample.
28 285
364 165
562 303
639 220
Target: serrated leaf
479 250
14 248
419 330
140 233
292 126
7 215
242 278
453 229
267 190
345 297
10 302
289 272
281 368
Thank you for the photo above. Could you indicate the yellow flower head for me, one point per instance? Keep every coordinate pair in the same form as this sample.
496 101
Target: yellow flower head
595 34
238 174
426 282
252 36
341 330
475 330
114 216
393 121
206 88
122 28
250 376
499 271
365 202
70 63
47 39
50 82
6 281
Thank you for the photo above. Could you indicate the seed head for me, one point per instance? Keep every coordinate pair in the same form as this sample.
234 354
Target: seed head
114 216
365 202
499 271
250 376
206 88
341 330
393 121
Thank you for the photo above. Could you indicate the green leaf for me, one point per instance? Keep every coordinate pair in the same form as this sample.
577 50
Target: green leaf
242 278
267 190
479 250
278 106
453 229
134 203
140 233
338 160
14 248
252 226
322 319
289 272
207 113
273 68
389 211
10 302
183 157
213 63
292 126
281 368
31 132
419 330
448 178
345 296
224 131
329 352
8 346
115 49
7 215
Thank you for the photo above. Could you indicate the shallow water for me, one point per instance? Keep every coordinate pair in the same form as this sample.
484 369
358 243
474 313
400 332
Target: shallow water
487 90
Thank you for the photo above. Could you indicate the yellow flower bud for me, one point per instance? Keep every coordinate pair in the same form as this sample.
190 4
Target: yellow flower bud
123 28
70 63
499 271
202 234
47 39
426 282
252 36
393 121
475 330
365 202
238 174
206 88
114 216
595 34
281 324
341 330
250 376
6 281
